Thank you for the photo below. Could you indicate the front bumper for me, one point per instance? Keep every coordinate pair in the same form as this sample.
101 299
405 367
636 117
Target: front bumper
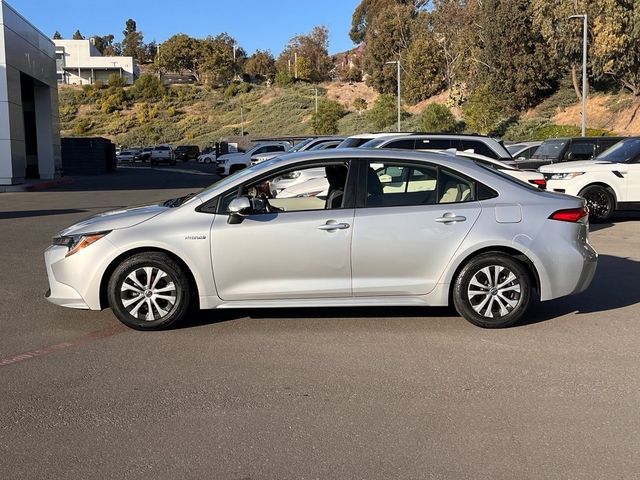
74 281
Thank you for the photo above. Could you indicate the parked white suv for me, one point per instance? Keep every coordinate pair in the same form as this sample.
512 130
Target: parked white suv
162 153
610 182
232 162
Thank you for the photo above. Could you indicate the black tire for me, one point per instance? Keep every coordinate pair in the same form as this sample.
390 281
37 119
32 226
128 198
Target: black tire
506 306
176 285
172 162
234 168
600 201
153 162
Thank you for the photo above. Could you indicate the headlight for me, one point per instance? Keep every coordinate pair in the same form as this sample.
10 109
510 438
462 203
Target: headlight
75 243
222 160
565 176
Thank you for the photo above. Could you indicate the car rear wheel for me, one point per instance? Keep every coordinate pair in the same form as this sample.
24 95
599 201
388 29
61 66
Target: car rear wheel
600 202
492 290
149 291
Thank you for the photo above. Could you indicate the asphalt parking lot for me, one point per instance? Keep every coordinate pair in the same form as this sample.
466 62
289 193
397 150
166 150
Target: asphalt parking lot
305 394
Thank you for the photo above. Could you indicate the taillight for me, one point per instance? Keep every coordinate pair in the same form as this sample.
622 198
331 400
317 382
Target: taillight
573 215
541 183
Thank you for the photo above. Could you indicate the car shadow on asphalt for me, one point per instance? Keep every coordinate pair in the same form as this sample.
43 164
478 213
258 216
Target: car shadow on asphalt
211 317
136 179
38 213
614 286
620 217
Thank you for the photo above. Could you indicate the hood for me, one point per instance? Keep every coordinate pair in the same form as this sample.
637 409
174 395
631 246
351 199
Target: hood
575 166
231 155
115 219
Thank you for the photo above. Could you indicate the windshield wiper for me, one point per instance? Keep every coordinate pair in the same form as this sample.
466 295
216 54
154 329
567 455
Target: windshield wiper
176 202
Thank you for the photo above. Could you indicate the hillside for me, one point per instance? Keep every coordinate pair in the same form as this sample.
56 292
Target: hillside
202 116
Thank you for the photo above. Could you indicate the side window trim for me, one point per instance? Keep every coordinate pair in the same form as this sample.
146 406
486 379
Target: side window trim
214 205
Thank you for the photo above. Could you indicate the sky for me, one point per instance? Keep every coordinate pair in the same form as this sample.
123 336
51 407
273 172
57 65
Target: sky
255 24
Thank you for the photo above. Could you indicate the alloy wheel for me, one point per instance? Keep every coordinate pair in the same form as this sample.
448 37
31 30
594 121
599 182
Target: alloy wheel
494 291
148 293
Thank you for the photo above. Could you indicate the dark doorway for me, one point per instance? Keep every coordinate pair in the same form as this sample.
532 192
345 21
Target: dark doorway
30 131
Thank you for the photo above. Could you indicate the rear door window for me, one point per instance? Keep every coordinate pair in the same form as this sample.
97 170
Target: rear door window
406 144
478 147
581 150
434 144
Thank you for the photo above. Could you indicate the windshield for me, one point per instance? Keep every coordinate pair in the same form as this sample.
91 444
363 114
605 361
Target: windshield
300 146
622 152
550 149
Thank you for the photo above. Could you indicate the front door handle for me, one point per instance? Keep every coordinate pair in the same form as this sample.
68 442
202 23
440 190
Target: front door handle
448 218
333 225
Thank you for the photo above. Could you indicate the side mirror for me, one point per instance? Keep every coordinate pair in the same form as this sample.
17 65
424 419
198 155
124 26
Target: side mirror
570 156
238 209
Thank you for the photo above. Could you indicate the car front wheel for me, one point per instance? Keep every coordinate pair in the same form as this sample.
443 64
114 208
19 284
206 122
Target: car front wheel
149 291
492 290
600 202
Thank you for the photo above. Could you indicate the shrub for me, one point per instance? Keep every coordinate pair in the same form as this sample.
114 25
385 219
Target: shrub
384 112
114 99
360 104
82 126
438 118
245 87
283 79
483 112
67 112
116 80
231 91
325 122
148 87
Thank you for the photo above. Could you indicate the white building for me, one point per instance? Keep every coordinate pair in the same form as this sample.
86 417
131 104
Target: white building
80 63
29 123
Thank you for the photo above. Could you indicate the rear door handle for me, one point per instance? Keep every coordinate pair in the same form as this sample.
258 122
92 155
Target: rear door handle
451 218
333 225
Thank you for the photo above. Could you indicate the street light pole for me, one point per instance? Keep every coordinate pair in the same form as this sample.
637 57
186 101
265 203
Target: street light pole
397 62
316 88
584 71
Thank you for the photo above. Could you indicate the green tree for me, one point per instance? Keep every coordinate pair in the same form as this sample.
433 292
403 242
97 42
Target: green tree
104 44
616 44
57 35
217 64
132 43
384 112
515 57
78 35
438 118
388 39
180 53
261 65
367 10
562 34
424 66
483 112
325 122
312 50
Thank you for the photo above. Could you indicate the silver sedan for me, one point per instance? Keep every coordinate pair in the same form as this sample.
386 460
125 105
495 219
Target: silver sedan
393 228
